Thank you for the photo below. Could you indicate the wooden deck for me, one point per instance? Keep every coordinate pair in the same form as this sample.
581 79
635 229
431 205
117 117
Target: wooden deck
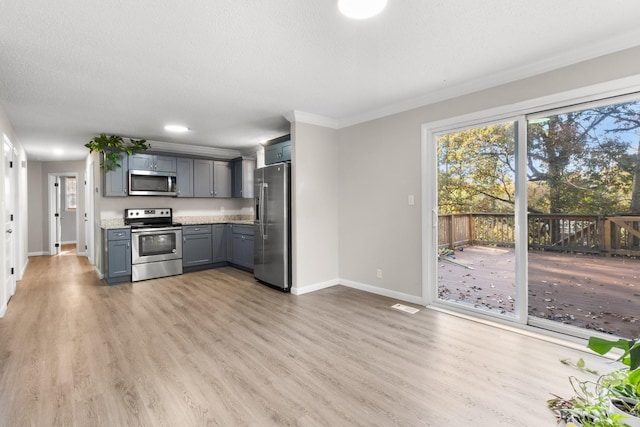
594 292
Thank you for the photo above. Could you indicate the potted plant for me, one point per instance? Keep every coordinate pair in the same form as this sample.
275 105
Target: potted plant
622 385
112 146
589 407
613 399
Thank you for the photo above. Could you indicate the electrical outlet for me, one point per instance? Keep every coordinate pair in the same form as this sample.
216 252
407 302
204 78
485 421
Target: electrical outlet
379 273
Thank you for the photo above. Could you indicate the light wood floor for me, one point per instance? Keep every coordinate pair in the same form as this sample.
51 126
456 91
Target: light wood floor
215 348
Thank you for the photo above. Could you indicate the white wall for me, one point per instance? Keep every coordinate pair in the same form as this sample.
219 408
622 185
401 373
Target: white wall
20 231
314 207
380 166
36 217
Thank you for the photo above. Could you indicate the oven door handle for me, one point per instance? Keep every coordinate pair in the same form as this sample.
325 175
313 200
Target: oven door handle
154 230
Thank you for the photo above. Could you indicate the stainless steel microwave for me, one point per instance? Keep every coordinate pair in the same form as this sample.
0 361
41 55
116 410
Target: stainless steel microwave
151 183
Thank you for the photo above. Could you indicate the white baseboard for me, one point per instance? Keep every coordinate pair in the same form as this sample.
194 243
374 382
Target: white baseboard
38 253
360 286
98 273
315 287
68 243
3 310
382 291
84 254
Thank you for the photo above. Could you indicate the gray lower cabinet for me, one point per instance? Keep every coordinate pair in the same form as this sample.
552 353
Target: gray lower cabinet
184 177
219 242
228 228
243 246
117 255
114 182
196 245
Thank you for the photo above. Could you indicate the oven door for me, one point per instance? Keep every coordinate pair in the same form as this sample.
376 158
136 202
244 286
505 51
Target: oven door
159 244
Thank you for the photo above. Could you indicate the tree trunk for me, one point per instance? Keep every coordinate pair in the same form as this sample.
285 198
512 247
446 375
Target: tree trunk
635 196
635 187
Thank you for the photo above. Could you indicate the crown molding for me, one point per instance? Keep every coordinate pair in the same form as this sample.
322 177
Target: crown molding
310 118
551 63
194 150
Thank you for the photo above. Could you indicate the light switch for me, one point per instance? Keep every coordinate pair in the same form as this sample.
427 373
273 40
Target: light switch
412 200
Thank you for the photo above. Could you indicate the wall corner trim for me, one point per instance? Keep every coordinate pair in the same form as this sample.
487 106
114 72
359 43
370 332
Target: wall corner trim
311 119
315 287
23 269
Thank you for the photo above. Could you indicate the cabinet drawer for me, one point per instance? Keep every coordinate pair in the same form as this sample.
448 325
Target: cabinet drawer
243 229
119 234
196 229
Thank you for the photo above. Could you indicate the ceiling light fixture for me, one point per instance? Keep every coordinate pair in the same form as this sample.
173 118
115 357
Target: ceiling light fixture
58 151
176 128
361 9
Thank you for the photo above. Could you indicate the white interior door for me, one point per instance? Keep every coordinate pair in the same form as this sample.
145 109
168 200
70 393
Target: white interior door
9 219
55 231
88 212
58 214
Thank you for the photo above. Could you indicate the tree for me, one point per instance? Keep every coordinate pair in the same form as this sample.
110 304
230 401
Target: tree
476 170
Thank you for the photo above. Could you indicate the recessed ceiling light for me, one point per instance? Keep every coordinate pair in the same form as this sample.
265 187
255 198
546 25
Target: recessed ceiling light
176 128
58 151
361 9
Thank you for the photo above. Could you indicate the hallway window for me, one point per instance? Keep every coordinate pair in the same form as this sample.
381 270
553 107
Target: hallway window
70 193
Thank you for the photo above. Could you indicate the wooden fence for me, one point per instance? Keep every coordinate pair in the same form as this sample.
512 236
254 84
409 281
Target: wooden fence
597 234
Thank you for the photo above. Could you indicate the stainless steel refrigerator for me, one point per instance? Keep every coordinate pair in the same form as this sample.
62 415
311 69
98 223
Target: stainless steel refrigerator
272 251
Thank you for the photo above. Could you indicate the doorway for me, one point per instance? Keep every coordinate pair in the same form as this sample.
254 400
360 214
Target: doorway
63 218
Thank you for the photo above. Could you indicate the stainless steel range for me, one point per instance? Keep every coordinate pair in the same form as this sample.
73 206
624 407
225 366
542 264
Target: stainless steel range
156 243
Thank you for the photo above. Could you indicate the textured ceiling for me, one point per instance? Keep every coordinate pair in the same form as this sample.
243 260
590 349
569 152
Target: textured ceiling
230 69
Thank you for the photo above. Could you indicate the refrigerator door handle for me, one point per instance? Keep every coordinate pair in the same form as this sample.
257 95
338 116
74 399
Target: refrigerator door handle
263 194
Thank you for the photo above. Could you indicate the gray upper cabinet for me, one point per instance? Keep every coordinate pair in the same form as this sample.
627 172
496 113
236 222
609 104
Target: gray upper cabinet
184 177
221 179
115 181
202 178
278 150
152 162
243 171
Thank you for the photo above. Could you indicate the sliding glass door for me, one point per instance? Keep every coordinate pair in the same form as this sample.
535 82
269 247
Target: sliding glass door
536 219
584 218
476 228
